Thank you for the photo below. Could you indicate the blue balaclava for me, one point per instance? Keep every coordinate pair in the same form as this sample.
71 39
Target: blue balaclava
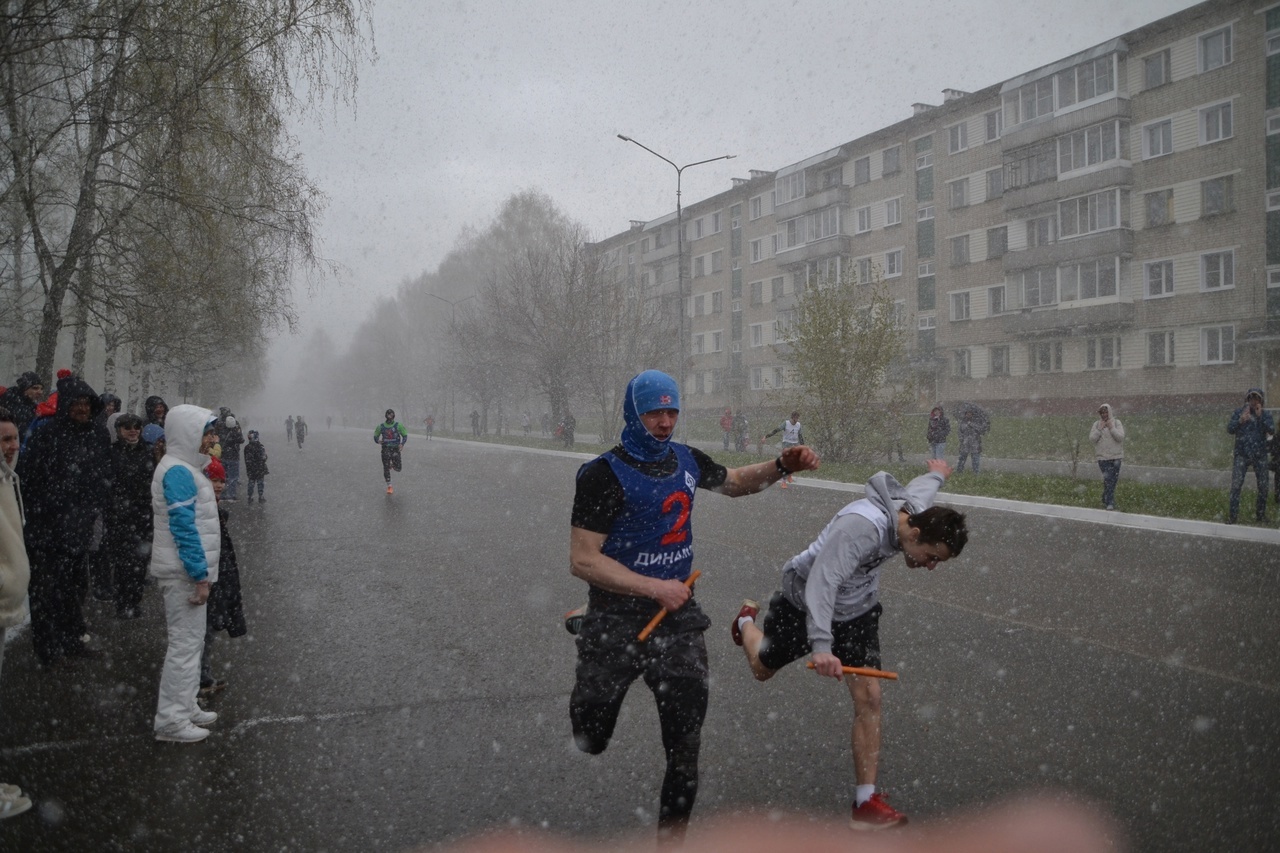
648 391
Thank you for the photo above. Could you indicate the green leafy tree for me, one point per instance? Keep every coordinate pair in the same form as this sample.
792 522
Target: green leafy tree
846 355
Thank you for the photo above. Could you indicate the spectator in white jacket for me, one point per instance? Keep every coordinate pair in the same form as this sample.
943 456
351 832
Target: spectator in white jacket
15 572
184 561
1107 436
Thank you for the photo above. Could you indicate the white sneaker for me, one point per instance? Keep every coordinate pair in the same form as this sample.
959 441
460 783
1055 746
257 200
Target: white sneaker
204 718
12 801
187 734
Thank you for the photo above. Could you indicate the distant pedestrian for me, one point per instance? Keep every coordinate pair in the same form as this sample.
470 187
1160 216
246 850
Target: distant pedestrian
545 422
255 466
937 432
568 424
973 425
288 428
15 572
475 423
430 423
127 546
726 426
792 436
184 562
300 430
328 422
741 432
1107 435
1250 424
526 421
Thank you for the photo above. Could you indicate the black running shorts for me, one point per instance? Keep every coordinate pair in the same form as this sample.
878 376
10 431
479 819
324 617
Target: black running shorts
786 636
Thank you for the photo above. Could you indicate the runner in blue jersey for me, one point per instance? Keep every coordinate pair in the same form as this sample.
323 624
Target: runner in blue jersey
631 540
392 435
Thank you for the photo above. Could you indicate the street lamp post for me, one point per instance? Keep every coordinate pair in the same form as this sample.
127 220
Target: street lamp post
453 316
684 343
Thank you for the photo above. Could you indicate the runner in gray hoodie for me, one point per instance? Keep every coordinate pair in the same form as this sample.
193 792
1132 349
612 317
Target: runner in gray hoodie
829 605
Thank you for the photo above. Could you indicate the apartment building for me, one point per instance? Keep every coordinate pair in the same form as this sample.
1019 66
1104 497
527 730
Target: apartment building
1104 227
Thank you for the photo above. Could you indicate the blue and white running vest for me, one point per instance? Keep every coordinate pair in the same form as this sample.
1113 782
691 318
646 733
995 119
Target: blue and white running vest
653 536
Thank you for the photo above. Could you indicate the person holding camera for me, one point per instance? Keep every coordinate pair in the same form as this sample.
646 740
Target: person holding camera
1107 435
1250 424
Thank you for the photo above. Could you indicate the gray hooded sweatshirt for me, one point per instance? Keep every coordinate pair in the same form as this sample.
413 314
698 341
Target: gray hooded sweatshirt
837 578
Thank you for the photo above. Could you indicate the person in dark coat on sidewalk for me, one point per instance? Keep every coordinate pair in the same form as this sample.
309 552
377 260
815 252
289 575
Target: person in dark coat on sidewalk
255 465
129 518
226 608
231 437
1250 424
20 400
936 433
66 478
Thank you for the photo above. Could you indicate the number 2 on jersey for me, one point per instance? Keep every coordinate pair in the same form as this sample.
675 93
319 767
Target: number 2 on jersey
679 531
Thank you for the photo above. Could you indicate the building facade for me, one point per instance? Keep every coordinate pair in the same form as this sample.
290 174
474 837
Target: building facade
1104 227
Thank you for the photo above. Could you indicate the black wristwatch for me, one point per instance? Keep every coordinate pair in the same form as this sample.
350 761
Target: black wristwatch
782 469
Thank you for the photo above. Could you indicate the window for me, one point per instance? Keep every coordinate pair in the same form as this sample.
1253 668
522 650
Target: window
824 223
1090 213
924 160
699 383
1086 81
1218 345
892 212
1215 49
757 251
717 298
793 235
779 377
700 266
715 341
790 187
716 219
735 290
782 326
1159 208
1046 357
999 359
1217 270
735 217
1157 139
697 227
775 286
1040 287
699 344
699 305
959 306
1155 70
864 270
960 250
1160 349
960 362
893 263
1273 200
892 160
1158 278
1215 123
924 268
832 177
717 260
1088 280
1041 231
1089 147
756 207
863 220
1029 101
924 213
957 138
757 334
995 183
995 300
1102 354
1216 196
776 243
862 170
958 193
926 293
997 242
994 124
757 293
757 378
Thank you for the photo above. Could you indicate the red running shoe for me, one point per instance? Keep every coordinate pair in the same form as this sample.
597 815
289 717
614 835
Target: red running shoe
875 814
749 608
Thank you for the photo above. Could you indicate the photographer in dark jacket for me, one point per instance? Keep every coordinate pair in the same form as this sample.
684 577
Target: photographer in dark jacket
1250 424
129 518
66 478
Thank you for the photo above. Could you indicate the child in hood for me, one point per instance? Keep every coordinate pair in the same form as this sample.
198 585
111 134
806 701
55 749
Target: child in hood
255 465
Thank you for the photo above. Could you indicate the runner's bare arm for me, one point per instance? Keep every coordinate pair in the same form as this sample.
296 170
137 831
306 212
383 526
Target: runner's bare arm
750 479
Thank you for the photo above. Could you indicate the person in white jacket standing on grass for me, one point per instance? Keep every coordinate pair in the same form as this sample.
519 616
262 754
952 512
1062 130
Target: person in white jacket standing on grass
1107 435
184 562
15 572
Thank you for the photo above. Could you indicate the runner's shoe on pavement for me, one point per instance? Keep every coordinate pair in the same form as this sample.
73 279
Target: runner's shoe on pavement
390 490
749 608
573 619
875 814
190 733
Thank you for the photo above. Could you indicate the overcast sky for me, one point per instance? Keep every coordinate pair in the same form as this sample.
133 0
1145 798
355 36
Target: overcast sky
472 101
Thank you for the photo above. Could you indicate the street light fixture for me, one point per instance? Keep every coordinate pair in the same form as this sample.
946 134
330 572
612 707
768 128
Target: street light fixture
453 316
684 343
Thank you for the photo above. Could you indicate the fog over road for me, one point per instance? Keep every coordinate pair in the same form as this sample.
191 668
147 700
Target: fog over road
406 675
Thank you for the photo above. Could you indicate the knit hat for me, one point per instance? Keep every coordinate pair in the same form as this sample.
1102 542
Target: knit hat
215 471
230 421
151 433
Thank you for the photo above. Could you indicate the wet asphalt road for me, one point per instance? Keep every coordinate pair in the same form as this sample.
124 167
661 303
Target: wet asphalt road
406 676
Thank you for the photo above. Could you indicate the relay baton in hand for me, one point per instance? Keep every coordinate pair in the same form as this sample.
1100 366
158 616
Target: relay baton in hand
662 614
860 670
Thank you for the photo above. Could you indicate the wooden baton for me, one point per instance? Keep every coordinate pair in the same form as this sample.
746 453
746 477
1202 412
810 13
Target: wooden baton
860 670
662 614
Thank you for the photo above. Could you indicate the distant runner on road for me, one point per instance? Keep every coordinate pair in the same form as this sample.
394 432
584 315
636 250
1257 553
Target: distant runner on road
392 435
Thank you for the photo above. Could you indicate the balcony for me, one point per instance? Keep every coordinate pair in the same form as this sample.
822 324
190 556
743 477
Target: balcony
1041 198
840 244
1066 321
661 254
839 194
1062 122
1117 241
